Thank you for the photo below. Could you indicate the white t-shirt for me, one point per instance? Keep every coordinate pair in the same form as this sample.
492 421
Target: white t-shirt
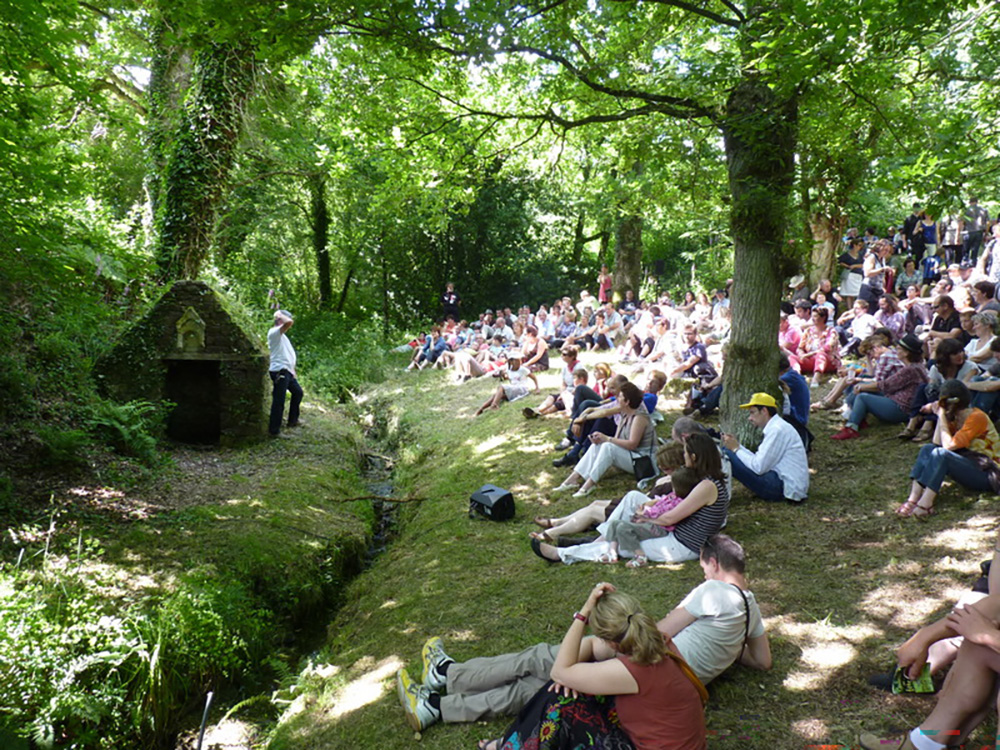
714 640
282 353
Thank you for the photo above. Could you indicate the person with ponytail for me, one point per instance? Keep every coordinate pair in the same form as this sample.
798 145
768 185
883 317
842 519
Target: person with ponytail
965 447
629 668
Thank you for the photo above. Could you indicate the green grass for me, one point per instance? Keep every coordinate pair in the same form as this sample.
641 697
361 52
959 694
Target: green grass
841 581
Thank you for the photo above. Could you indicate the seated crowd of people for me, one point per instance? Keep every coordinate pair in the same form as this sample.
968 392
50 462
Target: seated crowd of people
930 363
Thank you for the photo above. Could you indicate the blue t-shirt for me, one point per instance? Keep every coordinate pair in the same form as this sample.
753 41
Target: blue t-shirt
650 399
798 397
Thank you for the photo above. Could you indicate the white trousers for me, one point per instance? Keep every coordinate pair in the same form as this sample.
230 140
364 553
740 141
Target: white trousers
596 462
662 549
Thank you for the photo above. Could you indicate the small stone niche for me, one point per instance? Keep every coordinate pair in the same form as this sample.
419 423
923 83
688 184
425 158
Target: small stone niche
193 350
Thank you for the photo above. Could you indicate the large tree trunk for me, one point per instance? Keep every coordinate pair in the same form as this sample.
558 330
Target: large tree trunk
201 156
319 217
628 257
760 131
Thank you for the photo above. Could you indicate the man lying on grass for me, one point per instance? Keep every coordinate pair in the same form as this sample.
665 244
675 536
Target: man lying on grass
716 624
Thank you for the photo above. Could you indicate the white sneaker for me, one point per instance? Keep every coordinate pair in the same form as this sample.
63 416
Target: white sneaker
584 492
433 656
420 714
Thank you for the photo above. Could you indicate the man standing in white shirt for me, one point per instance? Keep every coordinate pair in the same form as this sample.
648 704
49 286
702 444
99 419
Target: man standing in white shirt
282 372
779 469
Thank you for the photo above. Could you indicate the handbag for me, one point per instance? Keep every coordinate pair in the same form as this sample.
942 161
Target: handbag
492 502
643 467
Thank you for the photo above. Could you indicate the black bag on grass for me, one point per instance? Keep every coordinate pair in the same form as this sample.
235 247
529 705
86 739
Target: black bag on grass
492 502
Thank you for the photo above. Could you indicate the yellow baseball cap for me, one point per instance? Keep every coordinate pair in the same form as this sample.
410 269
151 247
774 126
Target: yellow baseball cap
760 399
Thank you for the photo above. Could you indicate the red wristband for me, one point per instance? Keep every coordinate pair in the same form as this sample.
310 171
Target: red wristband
582 618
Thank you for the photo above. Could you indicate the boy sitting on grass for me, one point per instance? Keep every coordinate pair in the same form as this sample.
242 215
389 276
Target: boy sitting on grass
629 535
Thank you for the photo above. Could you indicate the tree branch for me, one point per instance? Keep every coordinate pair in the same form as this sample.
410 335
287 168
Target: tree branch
873 105
712 16
696 109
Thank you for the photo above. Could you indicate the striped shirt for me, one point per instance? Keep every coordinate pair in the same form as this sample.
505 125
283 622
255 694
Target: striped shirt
707 520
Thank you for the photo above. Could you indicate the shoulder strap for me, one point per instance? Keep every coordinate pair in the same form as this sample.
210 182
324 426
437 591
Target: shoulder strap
689 673
746 625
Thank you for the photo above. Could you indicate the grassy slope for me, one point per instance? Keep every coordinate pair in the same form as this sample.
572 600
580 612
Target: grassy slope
841 581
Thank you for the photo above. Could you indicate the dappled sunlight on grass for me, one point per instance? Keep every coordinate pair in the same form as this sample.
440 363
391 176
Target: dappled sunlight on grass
811 729
463 636
899 605
824 648
973 534
389 604
491 444
250 502
367 688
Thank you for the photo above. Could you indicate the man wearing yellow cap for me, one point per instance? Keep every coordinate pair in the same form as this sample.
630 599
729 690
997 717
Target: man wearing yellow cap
779 469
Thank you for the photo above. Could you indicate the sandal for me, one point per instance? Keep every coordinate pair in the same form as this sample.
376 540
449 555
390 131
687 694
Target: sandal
545 523
536 547
637 562
542 537
906 509
922 512
488 745
608 557
907 434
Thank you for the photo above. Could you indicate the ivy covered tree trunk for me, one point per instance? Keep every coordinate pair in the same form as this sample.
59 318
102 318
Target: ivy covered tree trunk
628 256
200 158
320 221
760 180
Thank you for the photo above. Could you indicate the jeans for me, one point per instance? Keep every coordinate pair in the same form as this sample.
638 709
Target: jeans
934 463
710 401
765 486
985 400
284 381
921 399
878 405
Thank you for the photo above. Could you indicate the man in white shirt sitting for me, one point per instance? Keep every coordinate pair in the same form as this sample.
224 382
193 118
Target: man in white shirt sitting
779 469
282 372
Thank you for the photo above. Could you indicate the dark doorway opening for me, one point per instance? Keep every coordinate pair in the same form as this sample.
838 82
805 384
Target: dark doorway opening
193 385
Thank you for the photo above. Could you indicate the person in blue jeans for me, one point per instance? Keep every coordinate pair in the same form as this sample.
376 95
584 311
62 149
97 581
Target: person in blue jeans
966 447
282 372
779 469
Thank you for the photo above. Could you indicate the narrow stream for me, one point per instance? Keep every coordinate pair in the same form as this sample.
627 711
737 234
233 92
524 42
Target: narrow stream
381 440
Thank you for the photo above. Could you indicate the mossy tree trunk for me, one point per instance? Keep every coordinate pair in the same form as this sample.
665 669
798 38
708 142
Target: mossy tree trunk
760 180
200 158
628 256
320 222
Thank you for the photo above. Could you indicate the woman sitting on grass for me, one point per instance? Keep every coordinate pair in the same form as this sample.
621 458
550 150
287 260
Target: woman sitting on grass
966 448
702 513
631 533
536 351
635 436
819 348
890 395
950 363
657 705
518 376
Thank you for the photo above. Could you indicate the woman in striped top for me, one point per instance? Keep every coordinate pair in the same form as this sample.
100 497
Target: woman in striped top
700 515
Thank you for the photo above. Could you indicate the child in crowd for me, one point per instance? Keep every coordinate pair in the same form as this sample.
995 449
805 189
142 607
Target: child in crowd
629 535
516 387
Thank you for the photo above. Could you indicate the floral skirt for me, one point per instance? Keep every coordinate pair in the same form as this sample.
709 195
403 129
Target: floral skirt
550 721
